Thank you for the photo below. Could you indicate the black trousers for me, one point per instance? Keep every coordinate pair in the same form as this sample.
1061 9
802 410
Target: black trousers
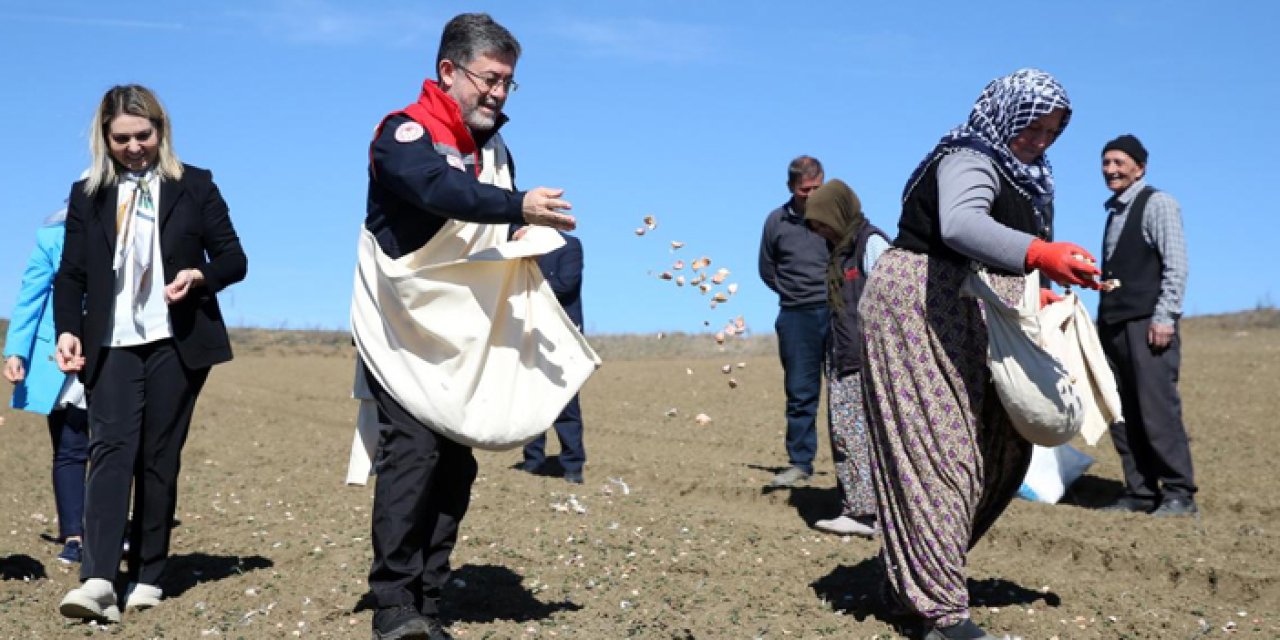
423 490
573 453
1152 440
139 414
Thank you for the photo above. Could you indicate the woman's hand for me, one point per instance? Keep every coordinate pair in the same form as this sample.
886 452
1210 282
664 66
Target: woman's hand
1048 297
182 284
1064 263
13 369
69 357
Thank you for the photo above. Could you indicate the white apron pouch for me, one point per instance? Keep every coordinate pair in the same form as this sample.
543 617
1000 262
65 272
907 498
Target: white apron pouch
1034 386
1071 337
466 334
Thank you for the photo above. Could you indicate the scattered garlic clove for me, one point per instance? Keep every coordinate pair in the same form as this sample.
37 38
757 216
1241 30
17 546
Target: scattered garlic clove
671 413
719 337
650 222
701 263
702 419
639 231
720 276
678 265
665 275
720 297
679 281
1110 285
742 365
676 244
704 287
733 288
733 384
726 369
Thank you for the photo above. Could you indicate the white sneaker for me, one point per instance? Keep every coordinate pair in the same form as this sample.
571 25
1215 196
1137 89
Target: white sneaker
142 596
791 477
846 526
94 600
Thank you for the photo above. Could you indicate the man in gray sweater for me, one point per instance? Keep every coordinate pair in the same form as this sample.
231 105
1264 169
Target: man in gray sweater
793 263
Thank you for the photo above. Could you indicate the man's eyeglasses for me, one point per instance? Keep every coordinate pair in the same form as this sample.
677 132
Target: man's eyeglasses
489 83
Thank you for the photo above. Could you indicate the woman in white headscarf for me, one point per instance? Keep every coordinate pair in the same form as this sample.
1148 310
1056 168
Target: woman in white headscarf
946 458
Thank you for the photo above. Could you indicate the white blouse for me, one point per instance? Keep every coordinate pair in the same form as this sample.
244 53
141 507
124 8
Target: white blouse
151 321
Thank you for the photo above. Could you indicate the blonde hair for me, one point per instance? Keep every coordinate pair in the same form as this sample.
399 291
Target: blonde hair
133 100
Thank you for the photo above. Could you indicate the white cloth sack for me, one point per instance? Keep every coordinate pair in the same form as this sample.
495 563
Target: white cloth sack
1053 470
1036 388
364 444
1070 335
466 334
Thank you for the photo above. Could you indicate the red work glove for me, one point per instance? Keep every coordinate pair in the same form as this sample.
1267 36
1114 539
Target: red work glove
1064 263
1048 297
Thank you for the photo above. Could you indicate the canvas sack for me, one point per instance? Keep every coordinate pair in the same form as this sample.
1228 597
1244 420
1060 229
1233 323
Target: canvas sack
1035 387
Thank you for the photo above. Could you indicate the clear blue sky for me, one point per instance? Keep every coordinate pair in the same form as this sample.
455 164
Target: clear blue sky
685 110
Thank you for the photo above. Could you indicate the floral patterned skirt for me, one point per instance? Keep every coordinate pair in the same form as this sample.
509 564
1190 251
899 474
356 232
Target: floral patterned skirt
946 460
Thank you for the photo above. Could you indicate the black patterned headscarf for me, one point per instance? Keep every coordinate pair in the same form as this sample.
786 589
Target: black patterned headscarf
1004 109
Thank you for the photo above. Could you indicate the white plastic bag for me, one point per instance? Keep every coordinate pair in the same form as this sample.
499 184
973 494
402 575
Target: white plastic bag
1035 387
1052 472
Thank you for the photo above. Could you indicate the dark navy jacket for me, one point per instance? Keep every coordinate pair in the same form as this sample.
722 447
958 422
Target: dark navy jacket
563 270
413 190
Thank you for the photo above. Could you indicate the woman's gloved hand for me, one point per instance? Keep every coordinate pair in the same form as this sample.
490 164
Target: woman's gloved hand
1063 262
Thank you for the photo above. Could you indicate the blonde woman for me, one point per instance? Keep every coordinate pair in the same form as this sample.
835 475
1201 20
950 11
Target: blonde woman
148 245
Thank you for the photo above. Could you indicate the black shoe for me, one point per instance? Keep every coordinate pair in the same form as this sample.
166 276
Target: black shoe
573 477
1131 504
403 623
1176 506
529 466
964 630
435 630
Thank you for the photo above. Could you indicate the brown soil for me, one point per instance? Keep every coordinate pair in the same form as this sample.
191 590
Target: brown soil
678 539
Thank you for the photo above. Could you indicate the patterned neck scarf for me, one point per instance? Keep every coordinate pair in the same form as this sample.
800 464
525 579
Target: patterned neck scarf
1007 105
135 234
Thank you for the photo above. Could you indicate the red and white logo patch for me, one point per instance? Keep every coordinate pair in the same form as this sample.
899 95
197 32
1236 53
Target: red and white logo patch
409 132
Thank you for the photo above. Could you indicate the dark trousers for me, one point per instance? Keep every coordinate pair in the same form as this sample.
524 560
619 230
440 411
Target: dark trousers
573 453
139 414
1152 440
69 433
802 335
423 490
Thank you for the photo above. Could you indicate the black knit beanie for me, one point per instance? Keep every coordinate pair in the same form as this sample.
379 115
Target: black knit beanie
1131 146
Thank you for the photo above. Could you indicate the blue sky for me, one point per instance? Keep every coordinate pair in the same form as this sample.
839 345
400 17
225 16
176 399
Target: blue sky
688 111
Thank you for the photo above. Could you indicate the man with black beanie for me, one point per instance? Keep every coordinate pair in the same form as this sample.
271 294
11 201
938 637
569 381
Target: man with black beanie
1144 267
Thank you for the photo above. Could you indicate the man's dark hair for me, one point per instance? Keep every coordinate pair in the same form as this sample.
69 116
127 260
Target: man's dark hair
803 167
469 35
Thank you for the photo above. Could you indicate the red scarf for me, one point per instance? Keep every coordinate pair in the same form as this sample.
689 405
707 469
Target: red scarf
441 116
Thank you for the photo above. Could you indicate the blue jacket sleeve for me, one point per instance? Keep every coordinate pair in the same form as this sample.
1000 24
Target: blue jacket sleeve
420 176
37 286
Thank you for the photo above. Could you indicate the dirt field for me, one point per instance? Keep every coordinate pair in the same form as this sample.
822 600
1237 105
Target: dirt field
676 537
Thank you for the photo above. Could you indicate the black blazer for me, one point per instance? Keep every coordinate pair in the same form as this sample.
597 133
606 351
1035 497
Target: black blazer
563 270
195 232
